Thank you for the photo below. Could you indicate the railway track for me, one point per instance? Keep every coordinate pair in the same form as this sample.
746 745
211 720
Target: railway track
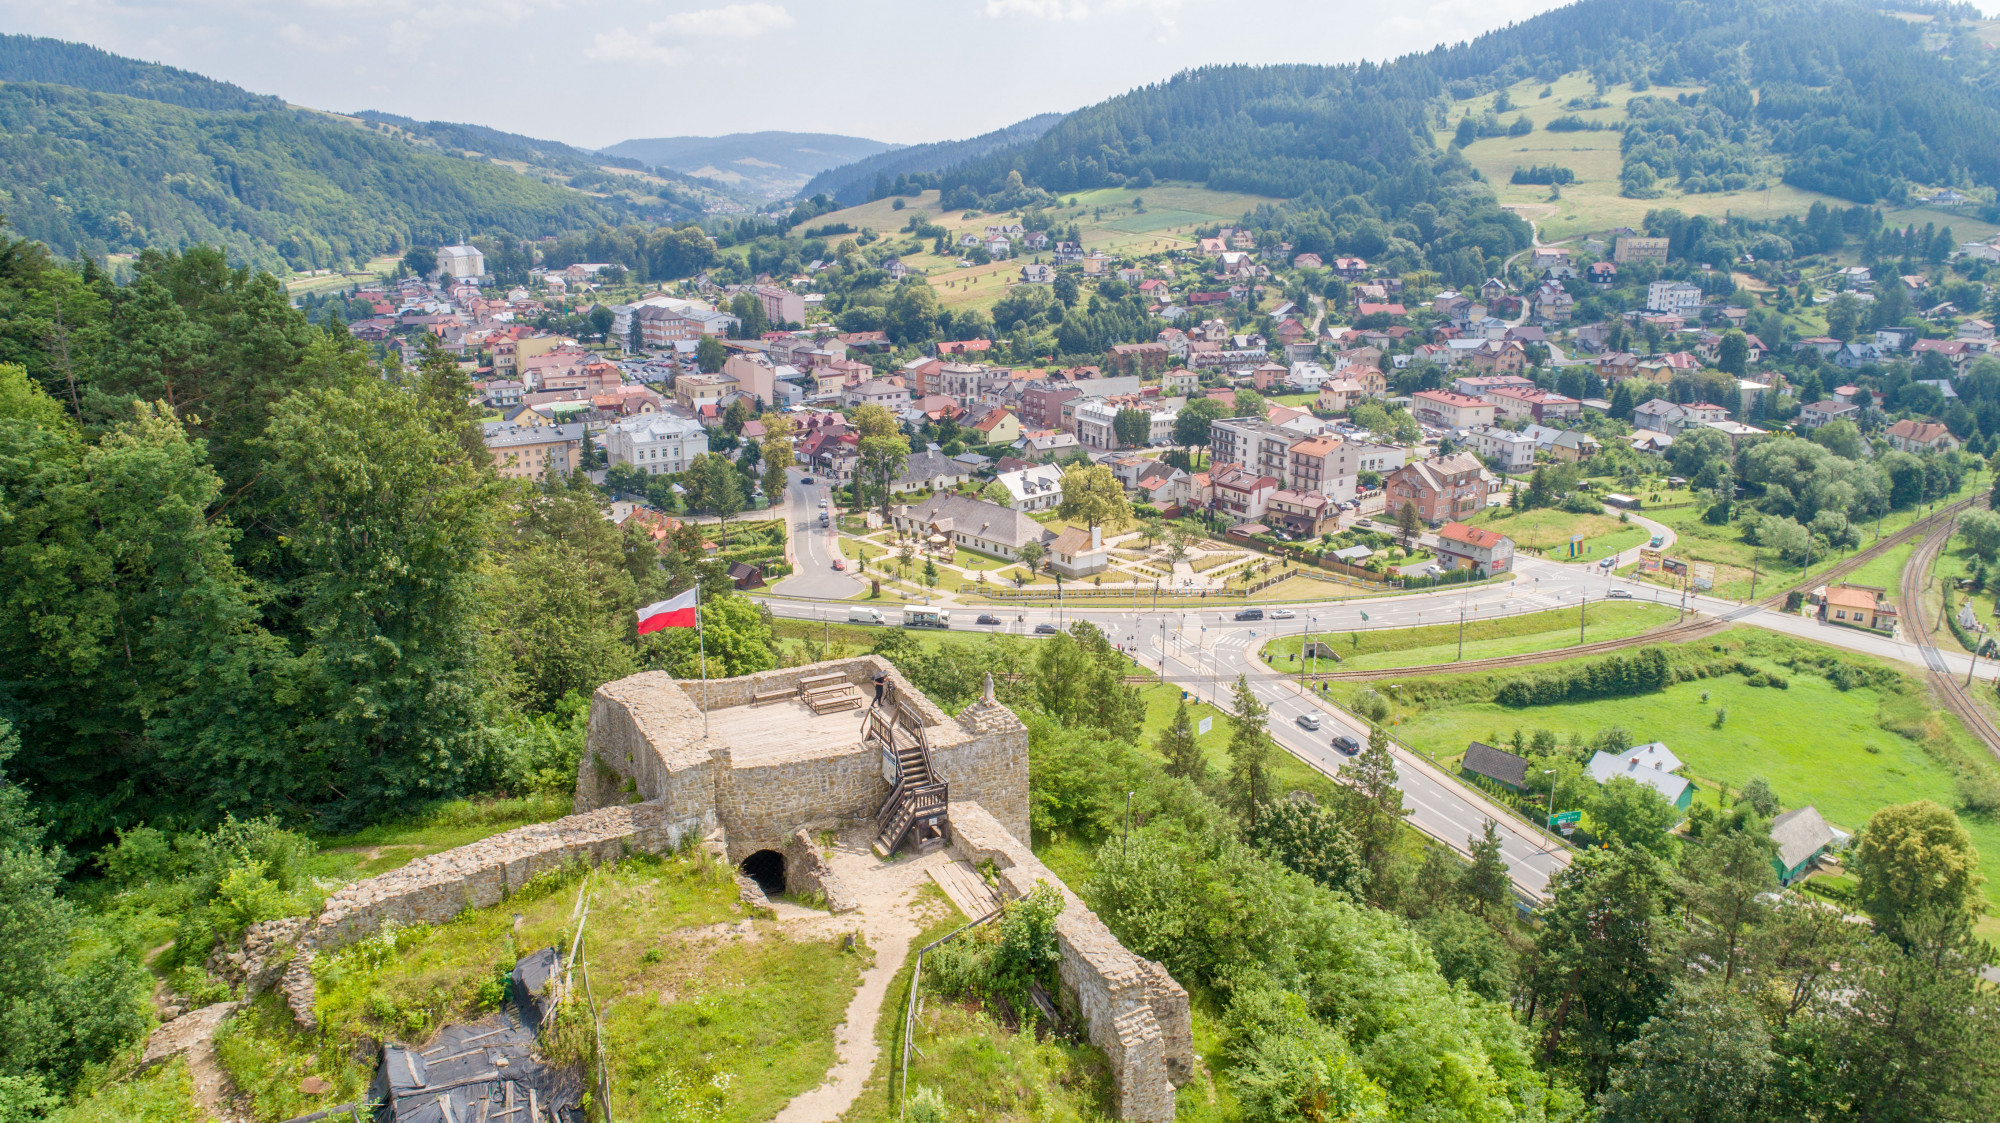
1946 517
1949 690
1684 632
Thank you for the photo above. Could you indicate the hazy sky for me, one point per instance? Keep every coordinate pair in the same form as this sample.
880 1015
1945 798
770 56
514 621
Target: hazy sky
592 72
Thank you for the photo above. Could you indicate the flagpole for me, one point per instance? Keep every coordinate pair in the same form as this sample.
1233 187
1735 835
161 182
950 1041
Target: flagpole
701 641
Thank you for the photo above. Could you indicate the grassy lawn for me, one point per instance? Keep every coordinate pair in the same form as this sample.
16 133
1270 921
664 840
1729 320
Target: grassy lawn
1484 639
1734 559
387 846
1548 532
1885 571
1857 751
680 1004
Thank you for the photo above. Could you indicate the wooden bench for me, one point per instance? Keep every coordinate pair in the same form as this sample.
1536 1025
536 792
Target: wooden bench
832 699
763 697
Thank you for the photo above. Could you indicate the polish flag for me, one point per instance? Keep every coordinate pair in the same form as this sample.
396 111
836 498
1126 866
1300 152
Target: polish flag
676 613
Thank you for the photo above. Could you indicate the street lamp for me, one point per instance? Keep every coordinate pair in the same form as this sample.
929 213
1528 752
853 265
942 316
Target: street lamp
1551 774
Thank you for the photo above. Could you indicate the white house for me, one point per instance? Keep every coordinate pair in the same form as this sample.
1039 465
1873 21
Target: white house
655 443
1032 489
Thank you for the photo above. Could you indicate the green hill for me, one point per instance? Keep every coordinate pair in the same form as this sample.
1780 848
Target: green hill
106 155
27 58
1851 101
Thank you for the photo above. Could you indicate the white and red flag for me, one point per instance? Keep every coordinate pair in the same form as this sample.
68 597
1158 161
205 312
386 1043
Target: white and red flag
676 613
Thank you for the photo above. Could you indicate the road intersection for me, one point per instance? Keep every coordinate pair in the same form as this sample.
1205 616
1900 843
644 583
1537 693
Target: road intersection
1203 649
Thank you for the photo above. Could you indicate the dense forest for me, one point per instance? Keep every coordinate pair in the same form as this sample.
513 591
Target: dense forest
26 58
101 155
1858 104
851 184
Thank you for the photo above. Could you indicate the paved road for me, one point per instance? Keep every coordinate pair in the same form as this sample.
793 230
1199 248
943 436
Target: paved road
814 549
1203 651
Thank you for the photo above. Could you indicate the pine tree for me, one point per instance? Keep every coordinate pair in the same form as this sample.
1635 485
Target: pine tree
1249 752
1177 743
1484 883
1374 804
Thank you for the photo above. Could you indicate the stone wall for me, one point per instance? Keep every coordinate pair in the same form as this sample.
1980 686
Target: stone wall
644 742
436 888
1137 1014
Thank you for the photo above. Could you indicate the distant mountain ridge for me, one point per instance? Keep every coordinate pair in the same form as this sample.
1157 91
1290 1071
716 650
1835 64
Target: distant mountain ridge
854 183
772 164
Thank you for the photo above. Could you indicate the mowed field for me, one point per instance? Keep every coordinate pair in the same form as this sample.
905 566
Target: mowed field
1123 221
1593 203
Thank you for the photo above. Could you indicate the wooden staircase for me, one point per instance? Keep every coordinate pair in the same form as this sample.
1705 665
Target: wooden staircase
919 803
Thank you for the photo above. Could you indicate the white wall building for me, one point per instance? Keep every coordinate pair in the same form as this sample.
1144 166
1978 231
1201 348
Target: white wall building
463 262
656 443
1032 489
1676 298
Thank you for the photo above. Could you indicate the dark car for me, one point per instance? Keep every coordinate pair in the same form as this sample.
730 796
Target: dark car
1347 744
987 618
1047 630
807 480
1250 614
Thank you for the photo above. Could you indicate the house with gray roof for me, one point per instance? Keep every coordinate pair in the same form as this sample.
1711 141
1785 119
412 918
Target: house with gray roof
1652 765
1497 765
929 470
1802 836
974 524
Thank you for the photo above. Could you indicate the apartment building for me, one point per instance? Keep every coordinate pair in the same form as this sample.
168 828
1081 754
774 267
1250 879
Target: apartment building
1324 464
1442 488
1253 443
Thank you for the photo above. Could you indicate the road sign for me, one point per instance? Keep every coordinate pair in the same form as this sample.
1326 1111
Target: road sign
1566 819
1204 726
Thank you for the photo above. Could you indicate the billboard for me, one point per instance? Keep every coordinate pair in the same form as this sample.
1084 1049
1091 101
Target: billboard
1649 559
1703 574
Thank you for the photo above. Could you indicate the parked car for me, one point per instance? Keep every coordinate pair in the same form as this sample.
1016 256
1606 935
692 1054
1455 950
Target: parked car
987 618
1309 721
1282 614
1250 614
1620 594
1047 630
822 519
1347 744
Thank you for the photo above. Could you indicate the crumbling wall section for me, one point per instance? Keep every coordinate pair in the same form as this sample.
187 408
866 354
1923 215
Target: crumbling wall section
436 888
1137 1014
644 743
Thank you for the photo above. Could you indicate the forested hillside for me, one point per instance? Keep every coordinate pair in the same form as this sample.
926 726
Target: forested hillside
101 154
25 58
875 176
1859 103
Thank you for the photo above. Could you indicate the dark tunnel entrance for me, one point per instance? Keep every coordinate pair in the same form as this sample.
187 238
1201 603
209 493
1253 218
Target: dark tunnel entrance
767 869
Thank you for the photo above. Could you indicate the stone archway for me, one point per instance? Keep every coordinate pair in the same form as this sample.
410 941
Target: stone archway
767 869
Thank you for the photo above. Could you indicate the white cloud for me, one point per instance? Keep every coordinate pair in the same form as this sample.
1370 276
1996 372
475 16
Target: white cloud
620 45
737 21
1036 9
663 40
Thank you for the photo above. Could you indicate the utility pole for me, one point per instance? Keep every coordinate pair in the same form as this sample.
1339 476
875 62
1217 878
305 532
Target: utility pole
1582 608
1973 667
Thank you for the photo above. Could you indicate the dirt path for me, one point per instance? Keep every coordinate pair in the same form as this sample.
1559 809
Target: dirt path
193 1035
890 924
